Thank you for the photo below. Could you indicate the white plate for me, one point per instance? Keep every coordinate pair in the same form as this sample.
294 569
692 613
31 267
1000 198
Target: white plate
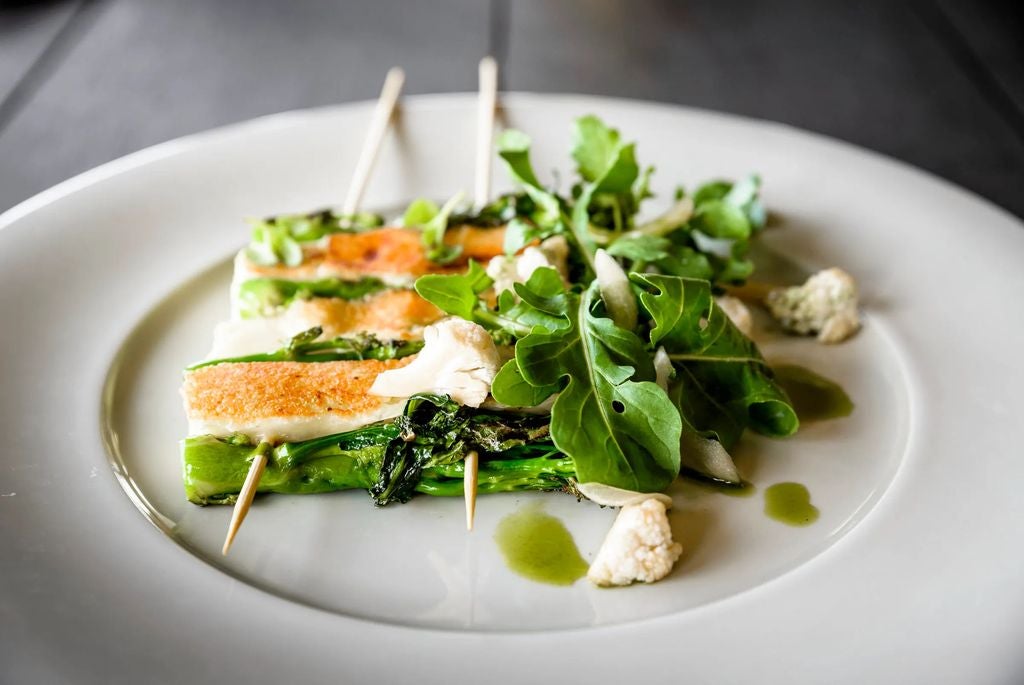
111 282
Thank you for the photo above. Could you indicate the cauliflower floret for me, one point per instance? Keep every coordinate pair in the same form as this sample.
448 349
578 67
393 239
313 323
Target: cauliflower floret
639 546
458 358
737 313
553 252
826 304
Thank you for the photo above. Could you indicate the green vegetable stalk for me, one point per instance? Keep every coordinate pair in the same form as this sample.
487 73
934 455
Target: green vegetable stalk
421 451
304 347
260 297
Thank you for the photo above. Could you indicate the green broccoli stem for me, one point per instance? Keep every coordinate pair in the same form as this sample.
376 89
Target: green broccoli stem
336 349
215 468
500 475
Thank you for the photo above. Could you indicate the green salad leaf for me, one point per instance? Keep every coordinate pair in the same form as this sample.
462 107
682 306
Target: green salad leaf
707 234
419 212
605 198
601 156
723 384
549 215
615 423
455 294
433 222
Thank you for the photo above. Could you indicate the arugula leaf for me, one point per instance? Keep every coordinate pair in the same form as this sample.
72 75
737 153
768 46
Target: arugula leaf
455 294
723 382
730 210
515 391
719 219
519 233
615 423
514 148
683 260
640 247
419 212
609 170
603 159
434 228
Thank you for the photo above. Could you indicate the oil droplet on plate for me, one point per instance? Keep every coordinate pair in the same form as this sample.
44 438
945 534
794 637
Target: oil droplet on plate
814 397
790 503
539 547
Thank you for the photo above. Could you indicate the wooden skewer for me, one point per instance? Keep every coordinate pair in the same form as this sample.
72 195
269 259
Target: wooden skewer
252 479
485 128
374 137
484 138
469 484
364 167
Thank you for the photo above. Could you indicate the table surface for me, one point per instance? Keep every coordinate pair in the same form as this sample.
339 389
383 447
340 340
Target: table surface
935 83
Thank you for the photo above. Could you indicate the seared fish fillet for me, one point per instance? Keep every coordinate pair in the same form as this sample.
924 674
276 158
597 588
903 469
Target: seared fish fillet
394 255
286 401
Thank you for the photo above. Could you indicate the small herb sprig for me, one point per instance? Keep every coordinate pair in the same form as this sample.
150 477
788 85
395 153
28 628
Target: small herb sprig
278 239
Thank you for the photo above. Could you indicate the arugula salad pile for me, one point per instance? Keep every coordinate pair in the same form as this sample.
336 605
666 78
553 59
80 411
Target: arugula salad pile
614 420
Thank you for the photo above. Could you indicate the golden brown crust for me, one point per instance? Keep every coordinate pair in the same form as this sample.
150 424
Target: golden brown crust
252 391
400 250
390 314
386 251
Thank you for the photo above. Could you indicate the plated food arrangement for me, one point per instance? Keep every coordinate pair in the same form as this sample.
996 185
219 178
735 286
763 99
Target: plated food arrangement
545 339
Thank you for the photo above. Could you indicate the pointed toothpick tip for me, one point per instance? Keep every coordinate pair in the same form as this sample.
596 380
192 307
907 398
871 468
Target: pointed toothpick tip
488 63
379 124
244 501
472 466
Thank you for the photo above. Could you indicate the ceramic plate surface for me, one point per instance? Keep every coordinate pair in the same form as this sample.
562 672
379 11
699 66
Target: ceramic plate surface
112 282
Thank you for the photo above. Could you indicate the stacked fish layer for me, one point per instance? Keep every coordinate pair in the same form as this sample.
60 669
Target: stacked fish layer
304 345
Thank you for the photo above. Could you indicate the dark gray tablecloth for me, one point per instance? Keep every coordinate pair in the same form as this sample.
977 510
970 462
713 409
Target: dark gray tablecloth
935 83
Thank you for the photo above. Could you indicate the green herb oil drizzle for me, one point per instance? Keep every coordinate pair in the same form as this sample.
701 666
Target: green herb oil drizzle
814 397
538 546
790 503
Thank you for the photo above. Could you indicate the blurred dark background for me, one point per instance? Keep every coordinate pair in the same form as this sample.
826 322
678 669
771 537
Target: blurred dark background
936 83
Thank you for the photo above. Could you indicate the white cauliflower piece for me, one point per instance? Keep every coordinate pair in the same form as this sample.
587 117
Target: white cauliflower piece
737 313
639 546
458 358
553 252
826 305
